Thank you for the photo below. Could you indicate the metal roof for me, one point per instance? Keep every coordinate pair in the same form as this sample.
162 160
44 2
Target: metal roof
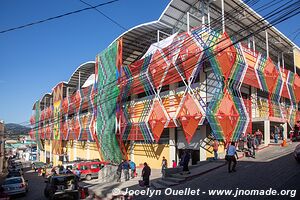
85 70
175 15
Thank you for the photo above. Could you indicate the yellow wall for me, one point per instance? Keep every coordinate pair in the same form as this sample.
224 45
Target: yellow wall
150 153
81 150
94 153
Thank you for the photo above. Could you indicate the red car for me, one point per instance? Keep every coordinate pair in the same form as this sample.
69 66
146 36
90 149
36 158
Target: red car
89 170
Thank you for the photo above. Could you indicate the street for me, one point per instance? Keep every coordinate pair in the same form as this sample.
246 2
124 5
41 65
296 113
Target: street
273 169
268 170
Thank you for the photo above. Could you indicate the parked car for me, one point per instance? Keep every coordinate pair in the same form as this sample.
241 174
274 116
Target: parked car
89 170
297 153
36 165
14 173
15 185
62 187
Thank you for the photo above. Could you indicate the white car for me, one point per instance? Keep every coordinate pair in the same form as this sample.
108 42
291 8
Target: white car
297 153
15 185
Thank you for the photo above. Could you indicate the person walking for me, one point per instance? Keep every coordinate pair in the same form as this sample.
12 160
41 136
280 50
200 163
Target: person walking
231 152
185 162
253 144
146 172
132 168
216 148
276 135
126 168
44 172
174 163
164 165
119 171
77 173
258 135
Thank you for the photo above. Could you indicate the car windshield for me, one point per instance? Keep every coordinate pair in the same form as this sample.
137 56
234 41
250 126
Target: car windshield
13 181
62 179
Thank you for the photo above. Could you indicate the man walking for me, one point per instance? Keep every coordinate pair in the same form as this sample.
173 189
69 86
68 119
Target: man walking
231 152
216 148
132 168
276 134
119 171
164 165
126 168
253 144
258 135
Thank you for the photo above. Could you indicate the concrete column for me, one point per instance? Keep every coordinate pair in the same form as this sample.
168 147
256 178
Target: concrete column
172 132
223 17
45 153
267 132
285 130
254 102
131 151
88 153
51 159
172 146
69 151
74 150
203 137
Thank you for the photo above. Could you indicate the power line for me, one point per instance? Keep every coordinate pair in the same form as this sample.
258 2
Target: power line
109 18
57 17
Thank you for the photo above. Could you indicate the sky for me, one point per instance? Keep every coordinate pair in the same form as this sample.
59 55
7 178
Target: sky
34 59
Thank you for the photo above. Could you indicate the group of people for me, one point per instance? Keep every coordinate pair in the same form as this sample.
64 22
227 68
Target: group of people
125 166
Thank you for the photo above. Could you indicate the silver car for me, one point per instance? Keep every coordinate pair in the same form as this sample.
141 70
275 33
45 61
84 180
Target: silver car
297 153
15 185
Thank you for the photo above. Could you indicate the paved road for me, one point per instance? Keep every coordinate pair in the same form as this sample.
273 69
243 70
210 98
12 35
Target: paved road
273 168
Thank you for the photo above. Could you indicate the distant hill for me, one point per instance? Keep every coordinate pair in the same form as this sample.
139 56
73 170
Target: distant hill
16 129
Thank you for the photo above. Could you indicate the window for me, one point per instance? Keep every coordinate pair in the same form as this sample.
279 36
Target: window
83 167
94 166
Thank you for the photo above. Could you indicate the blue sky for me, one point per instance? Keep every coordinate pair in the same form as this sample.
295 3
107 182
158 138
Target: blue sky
34 59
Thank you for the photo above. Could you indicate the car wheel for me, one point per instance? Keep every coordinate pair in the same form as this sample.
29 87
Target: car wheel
88 177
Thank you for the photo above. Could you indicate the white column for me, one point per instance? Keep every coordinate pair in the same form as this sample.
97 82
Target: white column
75 150
208 16
51 159
267 43
45 153
188 22
254 107
267 132
285 130
282 58
202 138
88 153
172 146
253 43
131 149
172 132
223 18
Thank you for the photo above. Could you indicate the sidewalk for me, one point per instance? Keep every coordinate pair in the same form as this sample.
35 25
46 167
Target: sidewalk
102 190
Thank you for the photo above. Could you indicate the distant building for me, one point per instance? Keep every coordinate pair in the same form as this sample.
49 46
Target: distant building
2 154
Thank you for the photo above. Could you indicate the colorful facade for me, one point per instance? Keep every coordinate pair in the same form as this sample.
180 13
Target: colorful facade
186 89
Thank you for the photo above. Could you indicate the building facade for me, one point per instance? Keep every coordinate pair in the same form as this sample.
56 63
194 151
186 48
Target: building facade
203 70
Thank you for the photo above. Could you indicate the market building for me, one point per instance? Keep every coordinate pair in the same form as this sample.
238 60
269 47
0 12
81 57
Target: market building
203 70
